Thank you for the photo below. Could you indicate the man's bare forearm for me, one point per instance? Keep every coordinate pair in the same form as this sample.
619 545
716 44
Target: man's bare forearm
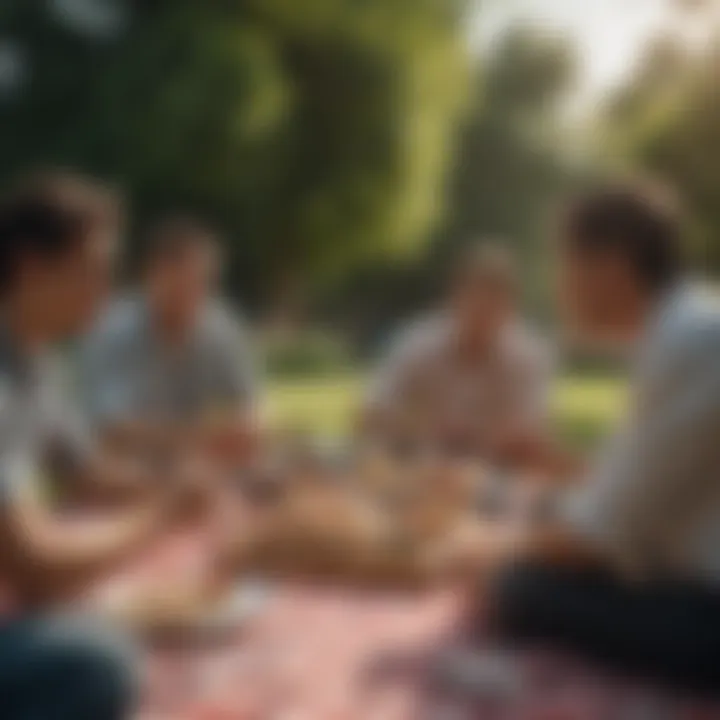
110 480
138 437
233 437
48 558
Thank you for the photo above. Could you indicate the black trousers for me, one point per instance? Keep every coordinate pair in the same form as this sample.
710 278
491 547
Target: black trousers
664 632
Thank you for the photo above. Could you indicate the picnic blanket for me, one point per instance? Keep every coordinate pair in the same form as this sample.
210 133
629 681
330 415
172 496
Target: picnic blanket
333 654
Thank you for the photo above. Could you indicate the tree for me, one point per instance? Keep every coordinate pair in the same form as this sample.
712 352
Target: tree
667 120
510 166
315 133
508 169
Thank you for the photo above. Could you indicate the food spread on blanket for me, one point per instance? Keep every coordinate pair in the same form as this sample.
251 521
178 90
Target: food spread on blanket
365 520
368 520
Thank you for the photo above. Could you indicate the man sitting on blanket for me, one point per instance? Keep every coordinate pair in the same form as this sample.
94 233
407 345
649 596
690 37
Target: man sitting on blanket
170 367
57 238
628 571
470 379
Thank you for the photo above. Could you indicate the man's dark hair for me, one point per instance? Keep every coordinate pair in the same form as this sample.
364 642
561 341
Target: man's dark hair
174 236
641 222
47 213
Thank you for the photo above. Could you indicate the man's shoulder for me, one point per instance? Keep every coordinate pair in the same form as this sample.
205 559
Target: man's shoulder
692 322
687 339
421 337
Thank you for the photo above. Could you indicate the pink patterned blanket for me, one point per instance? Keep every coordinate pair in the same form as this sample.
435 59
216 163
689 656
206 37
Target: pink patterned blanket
337 655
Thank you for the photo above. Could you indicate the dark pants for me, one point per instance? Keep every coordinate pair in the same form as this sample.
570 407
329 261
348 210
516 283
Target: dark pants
666 632
63 668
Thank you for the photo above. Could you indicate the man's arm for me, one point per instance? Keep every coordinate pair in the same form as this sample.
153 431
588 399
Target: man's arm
226 436
536 451
492 545
47 558
135 436
94 466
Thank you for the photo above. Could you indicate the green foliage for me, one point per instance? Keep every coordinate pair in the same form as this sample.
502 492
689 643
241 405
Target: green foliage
315 133
509 166
508 170
667 120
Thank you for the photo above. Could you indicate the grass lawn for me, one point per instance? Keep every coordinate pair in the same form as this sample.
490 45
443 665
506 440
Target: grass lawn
584 406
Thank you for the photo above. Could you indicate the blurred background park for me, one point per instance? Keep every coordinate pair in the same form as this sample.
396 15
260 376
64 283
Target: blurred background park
346 149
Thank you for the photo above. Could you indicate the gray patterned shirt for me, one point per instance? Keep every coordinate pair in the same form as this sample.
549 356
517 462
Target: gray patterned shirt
127 373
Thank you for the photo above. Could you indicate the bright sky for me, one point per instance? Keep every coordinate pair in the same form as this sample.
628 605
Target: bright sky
609 34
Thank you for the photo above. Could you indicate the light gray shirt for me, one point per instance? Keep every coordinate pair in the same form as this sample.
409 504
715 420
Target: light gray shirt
128 373
422 379
652 502
40 429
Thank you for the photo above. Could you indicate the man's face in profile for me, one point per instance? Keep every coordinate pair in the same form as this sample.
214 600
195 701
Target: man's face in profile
598 292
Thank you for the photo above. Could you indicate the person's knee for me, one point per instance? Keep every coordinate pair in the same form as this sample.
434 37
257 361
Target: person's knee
519 597
101 669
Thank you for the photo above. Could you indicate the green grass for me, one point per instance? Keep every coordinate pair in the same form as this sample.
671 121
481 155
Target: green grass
584 406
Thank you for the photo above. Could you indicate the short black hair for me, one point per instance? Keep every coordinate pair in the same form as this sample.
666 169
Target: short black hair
173 236
641 221
46 212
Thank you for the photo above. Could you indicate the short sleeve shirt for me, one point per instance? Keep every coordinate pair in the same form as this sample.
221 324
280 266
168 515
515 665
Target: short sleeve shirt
128 373
422 377
652 501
